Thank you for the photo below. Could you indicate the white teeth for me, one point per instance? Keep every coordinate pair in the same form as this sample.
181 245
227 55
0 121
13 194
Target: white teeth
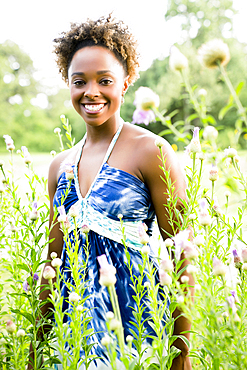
94 107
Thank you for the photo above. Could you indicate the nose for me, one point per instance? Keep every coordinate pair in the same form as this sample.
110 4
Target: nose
91 90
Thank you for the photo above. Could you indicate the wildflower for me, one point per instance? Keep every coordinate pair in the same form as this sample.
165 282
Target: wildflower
143 116
49 273
129 339
143 236
9 142
114 324
177 60
85 229
26 155
185 279
192 217
204 217
53 255
180 299
34 213
210 133
106 340
79 308
1 163
57 130
236 258
146 99
213 53
109 315
74 297
53 153
244 254
168 243
197 287
216 207
56 262
35 277
159 142
26 286
213 173
145 249
219 269
244 266
166 265
62 214
194 146
10 327
107 272
120 216
231 302
69 172
179 240
190 251
234 295
191 269
165 279
20 333
202 92
227 194
199 240
147 284
230 152
73 211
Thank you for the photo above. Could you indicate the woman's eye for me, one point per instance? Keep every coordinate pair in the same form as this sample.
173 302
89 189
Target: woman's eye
78 82
106 82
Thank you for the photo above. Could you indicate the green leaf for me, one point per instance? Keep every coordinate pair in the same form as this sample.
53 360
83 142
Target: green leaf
224 110
239 87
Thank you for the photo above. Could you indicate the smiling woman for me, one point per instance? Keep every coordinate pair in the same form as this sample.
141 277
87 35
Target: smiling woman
116 182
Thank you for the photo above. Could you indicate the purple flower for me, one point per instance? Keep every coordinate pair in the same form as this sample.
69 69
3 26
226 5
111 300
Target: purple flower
231 302
236 257
35 277
143 116
26 286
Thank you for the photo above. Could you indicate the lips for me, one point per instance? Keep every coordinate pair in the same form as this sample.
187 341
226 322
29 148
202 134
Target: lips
94 108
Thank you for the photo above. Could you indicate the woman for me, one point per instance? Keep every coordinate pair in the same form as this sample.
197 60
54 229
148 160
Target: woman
116 171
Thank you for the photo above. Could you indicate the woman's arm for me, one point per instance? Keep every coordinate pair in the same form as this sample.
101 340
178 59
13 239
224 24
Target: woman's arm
152 175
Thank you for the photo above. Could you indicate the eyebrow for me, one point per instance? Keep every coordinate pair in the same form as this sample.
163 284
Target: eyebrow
98 73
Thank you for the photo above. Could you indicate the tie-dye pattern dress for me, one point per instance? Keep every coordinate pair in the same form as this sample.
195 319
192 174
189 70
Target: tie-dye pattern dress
113 192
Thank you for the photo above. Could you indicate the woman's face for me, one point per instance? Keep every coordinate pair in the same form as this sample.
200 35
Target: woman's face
97 81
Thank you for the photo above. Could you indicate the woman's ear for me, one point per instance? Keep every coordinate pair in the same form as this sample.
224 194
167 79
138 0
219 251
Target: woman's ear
126 85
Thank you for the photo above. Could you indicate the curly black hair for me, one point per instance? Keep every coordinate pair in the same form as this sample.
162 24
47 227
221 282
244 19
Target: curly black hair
106 32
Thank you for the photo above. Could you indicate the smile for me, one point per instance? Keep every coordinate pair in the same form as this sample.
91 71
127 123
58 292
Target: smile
94 107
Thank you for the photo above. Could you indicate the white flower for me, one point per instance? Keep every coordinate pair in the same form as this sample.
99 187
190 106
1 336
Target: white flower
53 153
210 133
219 269
10 327
74 297
194 146
20 333
73 211
129 339
106 340
147 284
213 173
145 249
56 262
213 53
180 240
199 240
165 279
26 154
230 152
177 60
69 172
168 243
1 163
109 315
146 99
53 255
166 265
107 272
185 279
244 266
62 214
143 236
244 254
85 229
9 142
190 251
114 324
227 193
57 130
191 269
79 308
120 216
204 217
202 92
159 142
180 299
49 273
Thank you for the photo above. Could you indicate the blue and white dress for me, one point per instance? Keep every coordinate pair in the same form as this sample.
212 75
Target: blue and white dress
113 192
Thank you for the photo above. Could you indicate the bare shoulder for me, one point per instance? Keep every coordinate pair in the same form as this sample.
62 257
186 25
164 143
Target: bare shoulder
145 144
